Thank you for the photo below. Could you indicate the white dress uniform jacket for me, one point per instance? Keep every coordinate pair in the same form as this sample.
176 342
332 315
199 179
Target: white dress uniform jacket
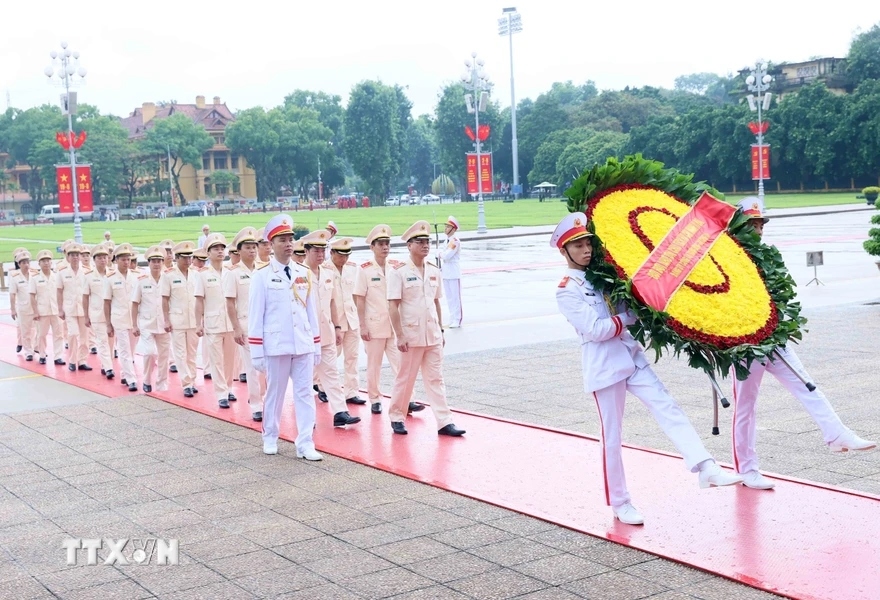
608 352
449 259
346 308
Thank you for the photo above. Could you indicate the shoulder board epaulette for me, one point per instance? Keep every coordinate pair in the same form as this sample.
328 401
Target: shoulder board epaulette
564 281
398 265
366 264
262 266
144 276
351 262
110 272
169 269
233 267
62 267
34 271
14 273
87 270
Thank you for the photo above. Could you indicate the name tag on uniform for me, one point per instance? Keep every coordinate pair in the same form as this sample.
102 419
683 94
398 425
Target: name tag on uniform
412 278
589 293
117 282
212 280
148 287
376 279
275 280
244 276
177 281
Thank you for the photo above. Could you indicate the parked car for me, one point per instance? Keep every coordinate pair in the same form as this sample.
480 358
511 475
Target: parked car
392 201
190 210
428 198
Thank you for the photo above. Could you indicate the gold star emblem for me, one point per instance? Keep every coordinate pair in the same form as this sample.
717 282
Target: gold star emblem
755 205
384 230
322 236
577 222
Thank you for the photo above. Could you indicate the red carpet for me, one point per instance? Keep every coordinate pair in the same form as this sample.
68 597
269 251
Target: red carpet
801 540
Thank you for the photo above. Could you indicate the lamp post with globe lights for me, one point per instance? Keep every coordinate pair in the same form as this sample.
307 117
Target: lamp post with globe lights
477 83
759 82
509 24
69 74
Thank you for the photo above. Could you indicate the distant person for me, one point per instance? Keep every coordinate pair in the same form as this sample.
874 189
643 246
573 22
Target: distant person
206 231
451 269
107 241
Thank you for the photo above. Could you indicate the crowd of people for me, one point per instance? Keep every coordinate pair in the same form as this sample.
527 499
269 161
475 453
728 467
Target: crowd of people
261 309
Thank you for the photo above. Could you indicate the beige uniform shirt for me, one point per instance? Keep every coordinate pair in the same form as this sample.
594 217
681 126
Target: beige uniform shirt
209 285
118 289
71 285
46 289
20 286
371 283
418 315
148 294
324 288
94 289
180 290
237 285
346 309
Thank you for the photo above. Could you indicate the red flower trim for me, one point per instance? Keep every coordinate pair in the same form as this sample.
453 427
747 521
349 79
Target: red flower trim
725 342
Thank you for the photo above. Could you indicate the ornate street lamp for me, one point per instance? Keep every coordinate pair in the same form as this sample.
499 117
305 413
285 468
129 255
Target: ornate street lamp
509 24
476 82
759 82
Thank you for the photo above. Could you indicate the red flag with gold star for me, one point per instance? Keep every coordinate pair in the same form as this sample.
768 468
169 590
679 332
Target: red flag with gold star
83 185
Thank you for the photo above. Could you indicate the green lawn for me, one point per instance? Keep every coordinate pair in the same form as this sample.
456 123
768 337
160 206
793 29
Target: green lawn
354 222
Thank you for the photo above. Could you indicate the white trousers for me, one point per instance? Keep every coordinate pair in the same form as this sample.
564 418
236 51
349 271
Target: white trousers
452 291
105 355
159 361
256 381
125 342
428 360
185 343
297 369
745 399
221 347
644 385
328 379
44 325
27 333
77 340
351 344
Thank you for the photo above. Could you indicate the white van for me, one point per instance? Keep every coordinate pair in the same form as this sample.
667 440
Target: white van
53 213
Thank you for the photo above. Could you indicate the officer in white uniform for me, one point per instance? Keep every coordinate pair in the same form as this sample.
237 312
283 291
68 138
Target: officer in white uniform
20 303
451 269
284 338
613 364
179 312
118 289
44 301
154 343
71 281
12 275
93 306
839 437
347 314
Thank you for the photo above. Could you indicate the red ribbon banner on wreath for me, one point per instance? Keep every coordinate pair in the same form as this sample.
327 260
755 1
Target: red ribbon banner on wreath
83 185
676 256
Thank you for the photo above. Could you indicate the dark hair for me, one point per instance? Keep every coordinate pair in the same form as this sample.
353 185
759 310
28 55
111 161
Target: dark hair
16 264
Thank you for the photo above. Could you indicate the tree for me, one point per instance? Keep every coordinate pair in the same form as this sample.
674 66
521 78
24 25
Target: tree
224 180
184 139
29 138
372 126
545 116
583 155
421 150
544 168
696 83
254 137
863 60
135 170
860 131
106 148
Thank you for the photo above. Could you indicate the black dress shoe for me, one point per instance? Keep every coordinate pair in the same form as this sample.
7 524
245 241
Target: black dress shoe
110 374
397 427
208 376
123 381
17 349
103 372
59 362
115 354
341 419
322 397
451 430
415 407
173 368
66 347
257 416
195 391
243 377
42 360
232 398
29 357
70 367
148 388
355 400
223 402
93 351
376 408
187 392
132 387
85 368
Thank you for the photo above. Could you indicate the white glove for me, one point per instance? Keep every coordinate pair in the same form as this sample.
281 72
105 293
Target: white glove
627 318
317 358
259 364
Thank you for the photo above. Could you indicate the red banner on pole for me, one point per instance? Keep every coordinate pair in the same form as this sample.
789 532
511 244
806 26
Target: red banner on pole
760 154
673 259
83 188
485 172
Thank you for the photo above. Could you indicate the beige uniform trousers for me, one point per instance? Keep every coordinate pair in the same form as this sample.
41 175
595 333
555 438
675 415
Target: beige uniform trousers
54 323
77 340
186 344
256 381
375 349
92 339
27 333
428 360
351 340
125 342
158 362
221 349
205 359
328 379
103 345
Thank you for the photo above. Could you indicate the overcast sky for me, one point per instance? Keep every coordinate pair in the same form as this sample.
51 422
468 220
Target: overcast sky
254 52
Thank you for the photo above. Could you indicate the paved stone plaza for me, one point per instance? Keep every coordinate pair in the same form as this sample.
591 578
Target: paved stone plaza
255 526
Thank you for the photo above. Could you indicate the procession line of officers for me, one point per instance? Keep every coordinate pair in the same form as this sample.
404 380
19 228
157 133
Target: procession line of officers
280 310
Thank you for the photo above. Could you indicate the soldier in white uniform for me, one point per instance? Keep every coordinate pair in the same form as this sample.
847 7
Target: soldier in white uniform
370 294
179 311
12 274
70 279
118 289
315 244
613 364
44 301
93 306
168 247
451 269
85 262
299 252
20 303
414 292
284 338
154 342
264 248
212 320
236 288
347 315
837 436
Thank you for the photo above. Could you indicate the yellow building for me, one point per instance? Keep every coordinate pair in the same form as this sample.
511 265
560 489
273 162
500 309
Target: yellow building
788 78
196 183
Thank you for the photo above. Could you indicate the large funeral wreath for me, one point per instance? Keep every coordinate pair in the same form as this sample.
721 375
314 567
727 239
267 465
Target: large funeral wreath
738 303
